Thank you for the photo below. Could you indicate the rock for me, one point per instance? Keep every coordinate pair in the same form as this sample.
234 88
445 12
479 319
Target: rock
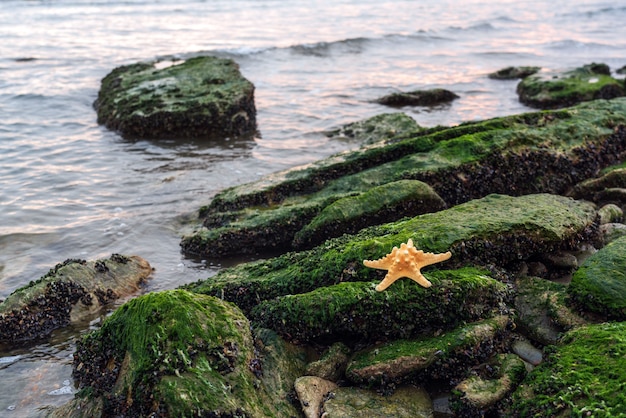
561 259
378 128
495 230
357 311
612 231
591 189
582 376
527 352
333 363
557 89
432 358
542 312
378 205
522 154
477 395
512 73
174 353
199 97
610 213
311 391
69 292
599 285
405 402
621 70
432 97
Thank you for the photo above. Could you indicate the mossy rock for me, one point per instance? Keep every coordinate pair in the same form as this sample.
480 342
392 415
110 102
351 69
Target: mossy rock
561 89
357 311
69 292
405 402
496 230
175 354
200 97
537 152
599 285
478 395
431 97
377 128
584 376
594 189
542 311
332 364
378 205
441 357
512 73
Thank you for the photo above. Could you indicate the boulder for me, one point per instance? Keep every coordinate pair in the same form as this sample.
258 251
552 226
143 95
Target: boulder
556 89
311 391
69 292
521 154
174 353
332 364
582 376
512 73
377 128
197 98
600 189
432 97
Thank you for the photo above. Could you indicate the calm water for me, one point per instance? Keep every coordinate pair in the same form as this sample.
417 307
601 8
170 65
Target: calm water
72 189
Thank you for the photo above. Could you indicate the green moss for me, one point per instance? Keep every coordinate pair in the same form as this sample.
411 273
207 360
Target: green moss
582 377
377 128
357 310
599 285
177 353
510 228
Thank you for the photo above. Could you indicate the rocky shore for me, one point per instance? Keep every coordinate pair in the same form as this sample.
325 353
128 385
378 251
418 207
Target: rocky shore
525 317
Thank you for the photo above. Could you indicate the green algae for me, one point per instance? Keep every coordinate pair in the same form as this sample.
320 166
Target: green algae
357 311
599 285
584 376
546 151
431 355
199 97
496 229
561 89
377 128
174 353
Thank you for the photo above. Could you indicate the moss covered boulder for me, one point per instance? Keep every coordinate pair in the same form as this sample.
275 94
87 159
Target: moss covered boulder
609 187
441 357
200 97
356 311
432 97
496 230
175 354
556 89
69 292
599 285
547 151
584 376
377 128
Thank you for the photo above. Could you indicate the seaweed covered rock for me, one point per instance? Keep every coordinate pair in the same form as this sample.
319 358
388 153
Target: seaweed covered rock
537 152
556 89
431 97
357 311
377 128
496 230
200 97
583 376
405 402
441 357
174 354
68 293
332 364
610 187
479 394
599 285
512 73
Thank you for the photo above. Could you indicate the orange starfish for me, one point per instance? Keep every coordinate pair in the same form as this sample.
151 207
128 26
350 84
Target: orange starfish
405 262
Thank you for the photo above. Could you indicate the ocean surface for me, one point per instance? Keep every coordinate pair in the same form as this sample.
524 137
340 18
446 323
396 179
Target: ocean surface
70 188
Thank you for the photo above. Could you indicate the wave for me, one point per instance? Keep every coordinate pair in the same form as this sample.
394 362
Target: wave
595 13
574 44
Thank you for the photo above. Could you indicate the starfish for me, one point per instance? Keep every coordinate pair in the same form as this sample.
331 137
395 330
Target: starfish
405 262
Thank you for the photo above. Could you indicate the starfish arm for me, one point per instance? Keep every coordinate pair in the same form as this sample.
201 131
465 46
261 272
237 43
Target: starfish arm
387 281
381 263
429 258
420 279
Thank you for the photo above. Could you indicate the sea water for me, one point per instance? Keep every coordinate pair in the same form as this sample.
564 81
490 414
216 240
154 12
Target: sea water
73 189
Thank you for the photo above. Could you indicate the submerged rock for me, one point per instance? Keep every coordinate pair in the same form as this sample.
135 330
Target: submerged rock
377 128
512 73
555 89
432 97
536 152
68 293
496 230
199 97
583 376
599 285
174 354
